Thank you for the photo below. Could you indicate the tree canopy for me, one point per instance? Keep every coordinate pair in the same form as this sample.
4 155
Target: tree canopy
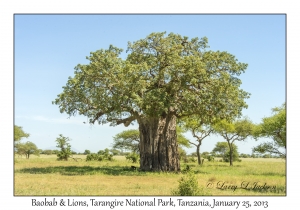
222 149
199 131
127 140
27 149
19 133
273 127
161 74
237 130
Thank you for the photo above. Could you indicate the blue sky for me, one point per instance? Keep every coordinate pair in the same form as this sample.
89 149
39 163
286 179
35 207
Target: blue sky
48 47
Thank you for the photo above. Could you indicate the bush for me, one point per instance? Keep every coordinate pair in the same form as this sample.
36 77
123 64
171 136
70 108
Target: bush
188 186
91 157
192 159
100 158
110 158
94 156
132 157
210 158
226 157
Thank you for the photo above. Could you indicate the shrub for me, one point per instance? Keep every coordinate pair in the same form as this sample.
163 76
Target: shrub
188 186
110 158
185 160
192 159
226 157
210 158
100 156
132 157
91 157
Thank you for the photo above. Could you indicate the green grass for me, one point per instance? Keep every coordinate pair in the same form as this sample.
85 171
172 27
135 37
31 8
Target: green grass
45 175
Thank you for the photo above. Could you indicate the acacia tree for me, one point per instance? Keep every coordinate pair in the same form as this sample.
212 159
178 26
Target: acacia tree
237 130
162 79
199 131
27 149
273 127
128 140
19 133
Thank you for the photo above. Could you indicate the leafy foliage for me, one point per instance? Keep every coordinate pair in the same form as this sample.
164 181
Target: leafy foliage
221 149
27 149
181 139
19 133
161 74
65 148
237 130
163 77
47 152
210 158
199 131
133 157
188 186
100 156
182 153
205 154
93 156
127 140
86 152
273 127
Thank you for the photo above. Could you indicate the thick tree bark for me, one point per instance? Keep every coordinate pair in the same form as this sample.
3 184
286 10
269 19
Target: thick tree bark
158 144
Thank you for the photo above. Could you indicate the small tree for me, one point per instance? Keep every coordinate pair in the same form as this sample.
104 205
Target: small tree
27 149
238 130
65 148
127 140
86 152
222 150
199 131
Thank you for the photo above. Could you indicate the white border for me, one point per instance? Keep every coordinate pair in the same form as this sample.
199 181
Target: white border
9 8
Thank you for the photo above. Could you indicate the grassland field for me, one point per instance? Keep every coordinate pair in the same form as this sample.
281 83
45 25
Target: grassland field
44 175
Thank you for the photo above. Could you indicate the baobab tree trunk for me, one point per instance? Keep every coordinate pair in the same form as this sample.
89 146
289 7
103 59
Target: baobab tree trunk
158 144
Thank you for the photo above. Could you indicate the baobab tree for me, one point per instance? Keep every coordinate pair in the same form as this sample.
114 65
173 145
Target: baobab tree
163 78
